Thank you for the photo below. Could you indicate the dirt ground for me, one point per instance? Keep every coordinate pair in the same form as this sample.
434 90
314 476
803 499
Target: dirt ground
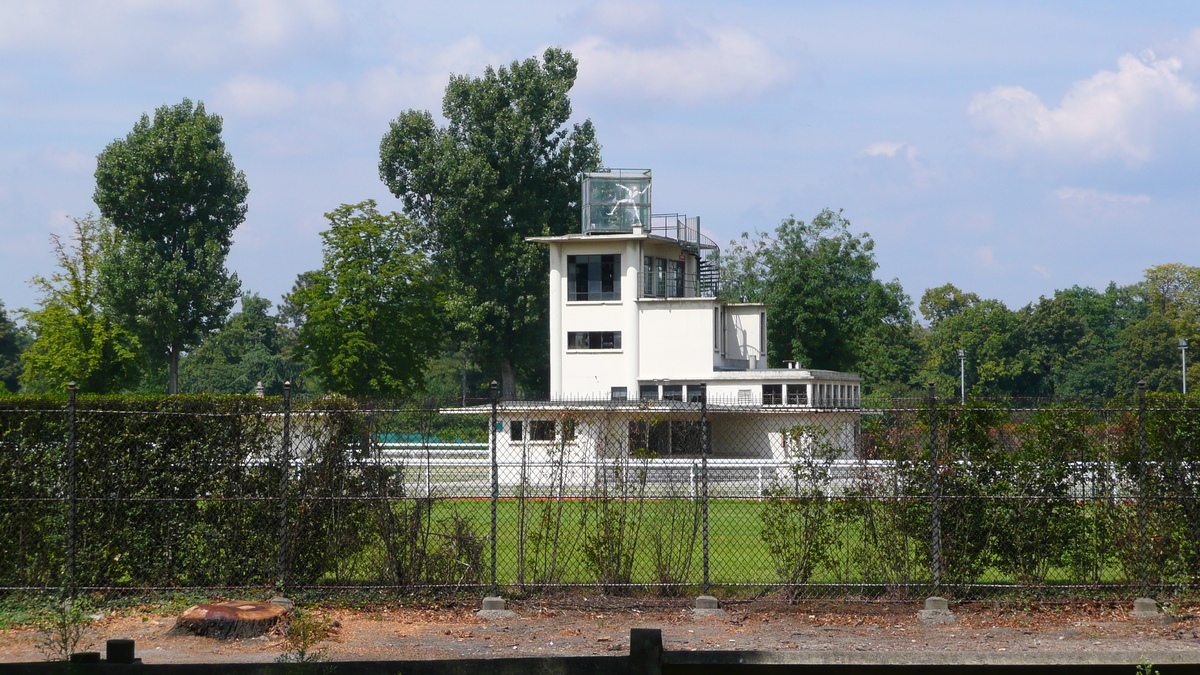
579 626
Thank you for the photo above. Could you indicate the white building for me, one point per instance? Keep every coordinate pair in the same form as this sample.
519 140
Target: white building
637 326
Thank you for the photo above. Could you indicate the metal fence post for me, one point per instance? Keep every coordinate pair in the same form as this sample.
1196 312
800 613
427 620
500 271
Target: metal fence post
495 478
72 481
935 494
1142 489
285 470
705 442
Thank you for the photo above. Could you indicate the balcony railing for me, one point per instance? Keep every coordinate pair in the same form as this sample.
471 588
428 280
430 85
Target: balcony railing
682 229
668 284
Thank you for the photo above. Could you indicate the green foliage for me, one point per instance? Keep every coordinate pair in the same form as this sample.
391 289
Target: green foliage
612 522
454 376
505 167
827 309
671 537
13 341
75 338
63 626
248 349
1044 528
998 362
303 631
174 197
1148 351
422 550
373 312
799 514
546 546
943 302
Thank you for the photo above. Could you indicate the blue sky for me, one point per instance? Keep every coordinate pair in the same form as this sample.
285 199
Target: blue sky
1010 148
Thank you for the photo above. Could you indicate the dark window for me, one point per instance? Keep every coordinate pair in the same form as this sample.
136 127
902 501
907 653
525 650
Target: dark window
687 437
772 394
654 272
672 392
797 394
541 430
516 430
594 277
649 391
568 429
675 279
620 394
664 438
694 392
595 339
662 278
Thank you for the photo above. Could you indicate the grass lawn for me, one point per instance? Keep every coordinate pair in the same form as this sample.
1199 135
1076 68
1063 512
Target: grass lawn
737 551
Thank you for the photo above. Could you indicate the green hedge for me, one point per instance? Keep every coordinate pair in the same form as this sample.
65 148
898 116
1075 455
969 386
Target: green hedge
187 491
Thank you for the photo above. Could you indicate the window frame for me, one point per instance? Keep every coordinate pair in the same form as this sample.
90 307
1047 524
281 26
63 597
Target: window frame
600 271
582 340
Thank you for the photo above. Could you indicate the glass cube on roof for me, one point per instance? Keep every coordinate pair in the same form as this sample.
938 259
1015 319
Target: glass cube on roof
616 200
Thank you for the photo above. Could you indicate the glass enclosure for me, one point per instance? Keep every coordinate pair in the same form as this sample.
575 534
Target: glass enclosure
616 200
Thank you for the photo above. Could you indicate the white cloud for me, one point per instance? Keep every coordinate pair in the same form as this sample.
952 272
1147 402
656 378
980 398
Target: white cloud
713 64
253 96
986 257
634 21
419 81
1109 115
1045 273
1089 196
883 149
96 35
275 22
906 153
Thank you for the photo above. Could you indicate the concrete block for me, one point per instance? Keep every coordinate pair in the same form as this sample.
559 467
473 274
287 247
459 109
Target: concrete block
645 651
707 605
937 610
494 607
282 601
1145 608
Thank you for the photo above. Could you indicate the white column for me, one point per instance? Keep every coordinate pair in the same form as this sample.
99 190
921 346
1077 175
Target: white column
631 337
556 333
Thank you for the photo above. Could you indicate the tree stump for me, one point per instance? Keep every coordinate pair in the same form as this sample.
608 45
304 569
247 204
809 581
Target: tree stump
229 620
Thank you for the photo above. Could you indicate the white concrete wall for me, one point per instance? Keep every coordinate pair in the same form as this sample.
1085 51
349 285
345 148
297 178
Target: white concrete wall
745 338
676 339
765 435
592 373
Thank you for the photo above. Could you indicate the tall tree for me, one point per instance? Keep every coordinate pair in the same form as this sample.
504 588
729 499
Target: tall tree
174 196
373 315
998 361
944 302
12 343
826 305
246 351
75 338
505 167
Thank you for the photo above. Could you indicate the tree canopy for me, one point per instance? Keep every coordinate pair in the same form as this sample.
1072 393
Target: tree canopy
12 342
75 338
251 348
505 167
174 197
373 314
826 308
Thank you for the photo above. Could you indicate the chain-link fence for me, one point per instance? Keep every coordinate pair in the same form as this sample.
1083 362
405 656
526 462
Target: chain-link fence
894 499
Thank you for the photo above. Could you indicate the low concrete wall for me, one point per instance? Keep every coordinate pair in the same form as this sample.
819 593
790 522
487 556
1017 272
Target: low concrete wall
647 657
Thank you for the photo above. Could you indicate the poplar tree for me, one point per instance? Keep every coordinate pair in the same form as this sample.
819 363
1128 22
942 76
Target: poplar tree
174 197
